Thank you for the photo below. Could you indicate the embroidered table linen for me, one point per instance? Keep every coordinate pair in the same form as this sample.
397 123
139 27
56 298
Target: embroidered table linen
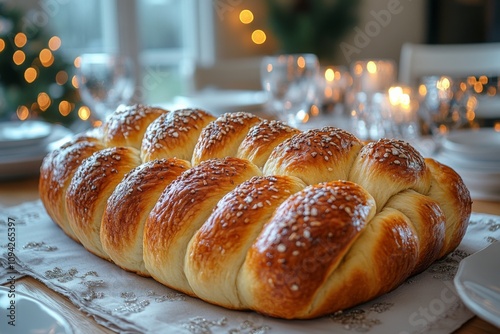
128 303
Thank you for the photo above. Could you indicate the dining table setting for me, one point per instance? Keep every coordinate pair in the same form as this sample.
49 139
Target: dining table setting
52 283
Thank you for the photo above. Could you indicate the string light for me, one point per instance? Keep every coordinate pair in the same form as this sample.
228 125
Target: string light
258 36
246 16
54 43
43 101
20 39
22 112
61 77
65 108
30 74
84 113
46 57
18 57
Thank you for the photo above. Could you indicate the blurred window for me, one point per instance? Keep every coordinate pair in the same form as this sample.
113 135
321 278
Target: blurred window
163 36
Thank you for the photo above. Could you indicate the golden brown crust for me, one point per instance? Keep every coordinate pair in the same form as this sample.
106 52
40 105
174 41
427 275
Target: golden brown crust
427 219
222 137
56 172
218 249
128 207
388 166
174 135
127 125
373 215
315 156
262 139
301 246
449 190
182 208
93 182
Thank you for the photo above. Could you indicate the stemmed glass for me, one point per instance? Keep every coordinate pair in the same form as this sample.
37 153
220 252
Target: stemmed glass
105 81
290 82
445 103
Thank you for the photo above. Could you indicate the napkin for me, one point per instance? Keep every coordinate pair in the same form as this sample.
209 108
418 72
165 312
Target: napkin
128 303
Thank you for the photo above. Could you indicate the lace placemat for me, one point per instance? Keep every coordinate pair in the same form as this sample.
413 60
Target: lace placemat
128 303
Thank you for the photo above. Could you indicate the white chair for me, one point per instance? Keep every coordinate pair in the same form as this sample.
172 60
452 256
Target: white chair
458 60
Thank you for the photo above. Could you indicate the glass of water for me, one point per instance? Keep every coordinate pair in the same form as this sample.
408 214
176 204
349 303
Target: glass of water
105 81
290 82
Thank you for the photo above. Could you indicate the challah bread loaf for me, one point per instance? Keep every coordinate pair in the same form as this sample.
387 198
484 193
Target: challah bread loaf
174 134
218 249
56 172
90 188
127 125
182 209
262 139
448 189
315 156
251 214
128 207
222 137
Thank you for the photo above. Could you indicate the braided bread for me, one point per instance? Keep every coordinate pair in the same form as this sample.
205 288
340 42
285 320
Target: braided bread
251 214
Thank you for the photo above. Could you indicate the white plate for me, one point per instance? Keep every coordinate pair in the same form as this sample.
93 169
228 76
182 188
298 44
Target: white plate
17 133
30 315
478 283
221 101
26 160
481 143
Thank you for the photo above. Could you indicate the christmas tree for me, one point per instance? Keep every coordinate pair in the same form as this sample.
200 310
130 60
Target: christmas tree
36 81
312 26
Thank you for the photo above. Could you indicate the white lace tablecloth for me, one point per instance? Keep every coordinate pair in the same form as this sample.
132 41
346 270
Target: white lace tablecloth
127 303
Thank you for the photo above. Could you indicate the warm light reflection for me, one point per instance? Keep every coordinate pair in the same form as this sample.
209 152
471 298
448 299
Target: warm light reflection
43 101
358 69
18 57
371 67
329 74
54 43
443 83
258 36
61 77
30 74
76 62
20 39
65 108
422 90
246 16
22 112
46 57
84 113
301 62
74 81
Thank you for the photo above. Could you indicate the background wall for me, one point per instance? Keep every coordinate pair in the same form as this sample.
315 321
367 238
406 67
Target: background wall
383 34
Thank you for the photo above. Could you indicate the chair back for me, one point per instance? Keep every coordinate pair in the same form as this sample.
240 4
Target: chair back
456 60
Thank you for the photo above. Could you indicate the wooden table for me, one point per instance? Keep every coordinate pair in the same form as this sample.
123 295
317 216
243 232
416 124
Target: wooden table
16 192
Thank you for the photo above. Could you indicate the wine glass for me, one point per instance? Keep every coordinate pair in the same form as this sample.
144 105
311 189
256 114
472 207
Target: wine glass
105 81
290 82
445 103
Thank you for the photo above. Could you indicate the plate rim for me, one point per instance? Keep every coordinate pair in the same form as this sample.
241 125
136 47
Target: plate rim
61 319
475 307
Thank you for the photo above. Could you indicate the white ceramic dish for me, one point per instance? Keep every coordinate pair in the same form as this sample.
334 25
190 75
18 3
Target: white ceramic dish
29 314
17 133
26 159
478 283
221 101
483 144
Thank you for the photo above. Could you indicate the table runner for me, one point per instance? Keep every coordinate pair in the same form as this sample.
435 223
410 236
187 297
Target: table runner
128 303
